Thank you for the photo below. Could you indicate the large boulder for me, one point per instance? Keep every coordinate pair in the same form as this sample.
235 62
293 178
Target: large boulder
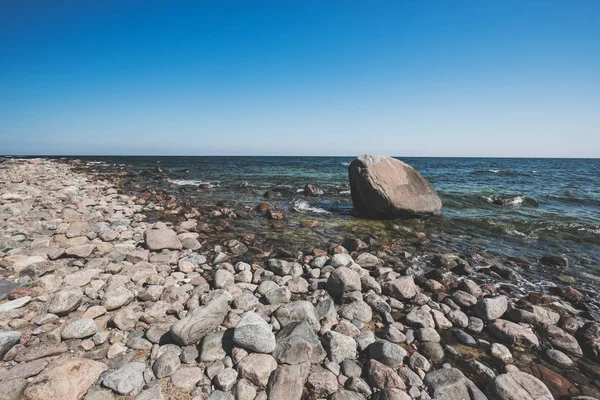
517 385
384 187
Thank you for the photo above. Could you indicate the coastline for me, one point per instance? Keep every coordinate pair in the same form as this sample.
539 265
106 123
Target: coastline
76 244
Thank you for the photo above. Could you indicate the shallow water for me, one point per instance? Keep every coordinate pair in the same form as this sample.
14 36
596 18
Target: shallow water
551 206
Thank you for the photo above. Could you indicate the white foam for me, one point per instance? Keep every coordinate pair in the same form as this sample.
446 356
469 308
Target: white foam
190 182
302 205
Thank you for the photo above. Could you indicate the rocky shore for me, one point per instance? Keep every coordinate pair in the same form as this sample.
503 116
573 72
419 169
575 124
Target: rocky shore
112 295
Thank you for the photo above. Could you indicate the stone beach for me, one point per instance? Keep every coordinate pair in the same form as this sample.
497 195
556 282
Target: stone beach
114 294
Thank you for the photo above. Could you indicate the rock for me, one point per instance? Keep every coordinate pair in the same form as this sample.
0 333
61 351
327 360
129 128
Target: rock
464 299
433 351
560 262
561 340
357 310
559 359
300 310
67 380
297 343
393 394
280 267
384 187
589 339
116 297
223 278
381 376
501 352
244 390
14 304
5 288
287 382
193 327
79 329
257 368
491 308
387 353
402 288
166 364
339 347
226 379
215 346
420 317
23 371
517 385
343 280
7 340
82 251
322 383
219 395
40 351
65 301
451 384
313 190
253 333
127 380
160 239
343 394
513 334
427 335
368 260
13 389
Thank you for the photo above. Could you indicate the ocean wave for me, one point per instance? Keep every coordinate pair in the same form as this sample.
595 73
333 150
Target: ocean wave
511 200
192 182
500 172
303 206
346 164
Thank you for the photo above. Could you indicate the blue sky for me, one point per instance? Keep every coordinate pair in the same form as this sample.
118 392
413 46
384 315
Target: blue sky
414 78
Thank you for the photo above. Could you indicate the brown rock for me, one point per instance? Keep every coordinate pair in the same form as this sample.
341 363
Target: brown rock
384 187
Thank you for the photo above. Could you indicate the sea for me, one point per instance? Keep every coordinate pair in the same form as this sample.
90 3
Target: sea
509 207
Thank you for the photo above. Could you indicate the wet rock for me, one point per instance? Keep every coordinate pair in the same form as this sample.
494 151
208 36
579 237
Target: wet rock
253 333
384 187
67 380
450 384
560 339
127 380
368 260
491 308
160 239
65 301
387 353
560 262
589 339
513 334
313 190
517 385
339 347
193 327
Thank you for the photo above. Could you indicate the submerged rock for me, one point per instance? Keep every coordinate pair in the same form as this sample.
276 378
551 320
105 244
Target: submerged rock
384 187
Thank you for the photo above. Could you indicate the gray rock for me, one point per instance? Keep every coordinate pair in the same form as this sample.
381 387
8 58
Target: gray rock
381 376
226 379
23 371
451 384
5 288
127 380
220 395
420 317
559 358
464 338
298 311
215 346
434 352
322 383
387 353
339 347
561 340
65 301
384 187
7 340
357 310
280 267
166 364
297 343
280 295
501 352
517 385
244 390
253 333
343 394
342 280
116 297
79 329
491 308
193 327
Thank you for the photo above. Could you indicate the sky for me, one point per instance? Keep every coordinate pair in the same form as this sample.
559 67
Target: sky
408 78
